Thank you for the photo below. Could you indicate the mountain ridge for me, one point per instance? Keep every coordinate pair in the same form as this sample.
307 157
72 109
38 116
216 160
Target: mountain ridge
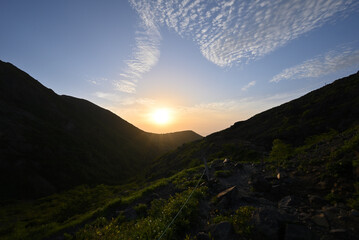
51 142
334 106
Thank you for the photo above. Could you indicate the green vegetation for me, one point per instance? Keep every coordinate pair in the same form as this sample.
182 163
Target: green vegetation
240 220
354 201
46 216
222 173
159 216
280 153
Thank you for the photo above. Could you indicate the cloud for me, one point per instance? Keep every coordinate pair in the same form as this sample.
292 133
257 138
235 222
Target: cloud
322 65
251 84
145 52
97 81
230 32
128 101
126 86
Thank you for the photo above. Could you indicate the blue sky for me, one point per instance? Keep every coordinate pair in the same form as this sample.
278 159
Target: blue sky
209 63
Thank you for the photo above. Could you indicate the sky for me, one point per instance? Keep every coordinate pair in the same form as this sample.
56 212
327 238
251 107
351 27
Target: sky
203 64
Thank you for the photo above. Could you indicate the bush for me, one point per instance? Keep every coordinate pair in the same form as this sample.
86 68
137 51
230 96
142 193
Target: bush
280 153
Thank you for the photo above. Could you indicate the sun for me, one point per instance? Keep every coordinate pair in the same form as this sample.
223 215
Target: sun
161 116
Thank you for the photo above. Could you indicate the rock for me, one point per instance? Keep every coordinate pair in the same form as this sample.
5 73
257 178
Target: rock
354 213
282 175
322 185
202 236
228 197
316 201
222 231
297 232
339 233
228 192
332 212
260 184
267 223
287 202
320 220
276 191
238 165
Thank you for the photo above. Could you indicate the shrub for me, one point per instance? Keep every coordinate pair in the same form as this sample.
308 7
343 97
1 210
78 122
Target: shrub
280 152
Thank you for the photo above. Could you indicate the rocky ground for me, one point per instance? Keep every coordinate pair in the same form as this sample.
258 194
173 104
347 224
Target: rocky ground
290 205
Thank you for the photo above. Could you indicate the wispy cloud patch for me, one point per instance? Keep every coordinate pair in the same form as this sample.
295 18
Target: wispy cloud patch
145 52
230 32
251 84
322 65
97 81
128 101
126 86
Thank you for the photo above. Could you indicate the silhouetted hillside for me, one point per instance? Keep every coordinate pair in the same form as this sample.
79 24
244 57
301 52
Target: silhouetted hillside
50 142
332 107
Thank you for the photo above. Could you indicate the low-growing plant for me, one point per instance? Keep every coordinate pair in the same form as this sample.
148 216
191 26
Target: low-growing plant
158 217
141 209
280 153
240 220
223 173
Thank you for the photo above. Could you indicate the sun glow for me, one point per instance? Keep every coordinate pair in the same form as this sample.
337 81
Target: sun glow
161 116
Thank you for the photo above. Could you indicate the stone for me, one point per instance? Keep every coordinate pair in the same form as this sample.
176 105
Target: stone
332 212
322 185
339 233
297 232
320 220
354 213
281 175
202 236
238 165
267 223
288 201
260 184
222 231
228 197
316 201
227 193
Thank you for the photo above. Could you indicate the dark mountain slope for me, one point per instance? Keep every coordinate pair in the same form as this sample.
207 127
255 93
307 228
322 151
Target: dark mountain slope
334 106
50 142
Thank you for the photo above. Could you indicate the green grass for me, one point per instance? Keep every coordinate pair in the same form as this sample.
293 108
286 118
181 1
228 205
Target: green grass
240 220
159 216
46 216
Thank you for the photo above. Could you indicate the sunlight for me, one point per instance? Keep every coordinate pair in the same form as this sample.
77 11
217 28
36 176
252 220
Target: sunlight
161 116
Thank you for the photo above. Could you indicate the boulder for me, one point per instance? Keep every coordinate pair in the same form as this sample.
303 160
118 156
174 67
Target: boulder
339 233
202 236
297 232
260 184
320 220
228 197
316 201
287 202
222 231
354 213
267 223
